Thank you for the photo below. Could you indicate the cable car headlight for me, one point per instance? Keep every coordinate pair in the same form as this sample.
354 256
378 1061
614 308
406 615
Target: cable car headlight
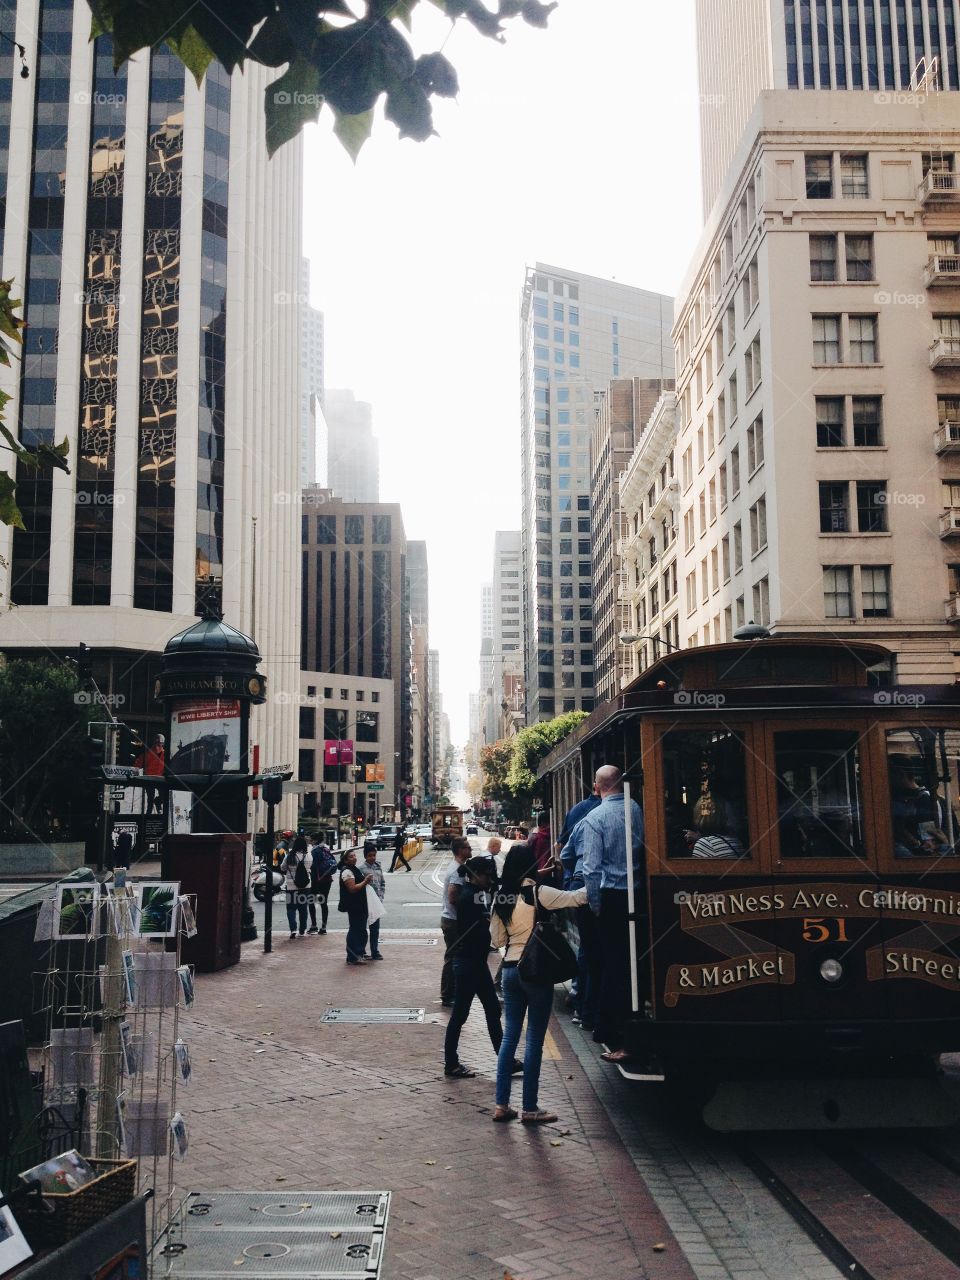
831 971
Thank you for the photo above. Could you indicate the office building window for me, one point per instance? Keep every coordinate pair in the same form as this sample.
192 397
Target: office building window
381 528
829 415
859 257
823 257
863 339
867 421
872 506
755 445
819 177
826 339
875 590
758 525
853 177
834 507
837 595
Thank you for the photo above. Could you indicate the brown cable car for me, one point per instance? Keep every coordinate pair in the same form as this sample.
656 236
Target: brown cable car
798 905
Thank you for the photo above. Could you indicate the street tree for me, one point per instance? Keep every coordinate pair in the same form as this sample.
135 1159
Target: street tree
531 746
44 714
333 55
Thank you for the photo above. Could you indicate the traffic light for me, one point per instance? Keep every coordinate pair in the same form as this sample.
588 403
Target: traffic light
129 745
273 790
84 661
94 756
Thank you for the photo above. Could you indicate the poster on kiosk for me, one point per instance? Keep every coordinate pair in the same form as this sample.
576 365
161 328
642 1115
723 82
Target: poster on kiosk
205 736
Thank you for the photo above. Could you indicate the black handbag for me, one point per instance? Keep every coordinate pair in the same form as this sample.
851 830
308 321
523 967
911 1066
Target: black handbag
547 956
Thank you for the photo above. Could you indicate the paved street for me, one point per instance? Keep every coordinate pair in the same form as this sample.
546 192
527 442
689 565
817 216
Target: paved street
281 1101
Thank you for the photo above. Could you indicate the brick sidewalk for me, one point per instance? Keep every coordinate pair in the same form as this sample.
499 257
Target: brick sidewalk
280 1101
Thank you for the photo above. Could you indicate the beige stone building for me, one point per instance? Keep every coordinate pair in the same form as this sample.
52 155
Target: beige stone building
818 386
648 597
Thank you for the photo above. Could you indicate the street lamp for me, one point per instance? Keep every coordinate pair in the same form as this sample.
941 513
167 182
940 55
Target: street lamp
628 638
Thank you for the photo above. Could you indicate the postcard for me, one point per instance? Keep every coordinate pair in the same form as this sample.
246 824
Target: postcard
13 1247
185 974
181 1054
181 1139
187 917
157 902
129 977
131 1064
67 1172
76 911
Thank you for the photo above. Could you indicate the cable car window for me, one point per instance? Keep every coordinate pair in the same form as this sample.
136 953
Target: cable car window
705 809
757 666
819 804
922 772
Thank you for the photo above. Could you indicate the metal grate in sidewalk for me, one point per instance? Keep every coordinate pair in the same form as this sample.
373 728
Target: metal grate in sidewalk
363 1015
290 1235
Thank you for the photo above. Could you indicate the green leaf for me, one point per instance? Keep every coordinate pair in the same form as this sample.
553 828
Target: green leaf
436 74
194 52
292 100
409 108
353 131
402 11
9 511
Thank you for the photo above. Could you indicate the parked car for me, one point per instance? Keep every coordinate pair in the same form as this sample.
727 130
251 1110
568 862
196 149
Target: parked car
386 835
472 829
424 831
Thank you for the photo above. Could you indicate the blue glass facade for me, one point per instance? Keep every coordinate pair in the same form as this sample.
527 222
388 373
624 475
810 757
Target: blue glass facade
30 569
213 331
96 436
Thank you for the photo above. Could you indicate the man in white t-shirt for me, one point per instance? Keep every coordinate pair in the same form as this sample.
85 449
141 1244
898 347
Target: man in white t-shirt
448 915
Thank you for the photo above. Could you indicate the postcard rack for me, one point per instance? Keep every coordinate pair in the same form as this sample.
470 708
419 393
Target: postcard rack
110 992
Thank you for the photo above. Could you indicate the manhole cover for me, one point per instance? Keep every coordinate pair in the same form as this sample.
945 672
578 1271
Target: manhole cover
269 1249
408 942
372 1015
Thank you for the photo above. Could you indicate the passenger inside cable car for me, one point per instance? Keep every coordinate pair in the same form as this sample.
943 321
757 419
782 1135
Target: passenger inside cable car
705 802
921 762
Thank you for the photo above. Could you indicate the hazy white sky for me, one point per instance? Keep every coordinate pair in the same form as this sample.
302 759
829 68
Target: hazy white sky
576 145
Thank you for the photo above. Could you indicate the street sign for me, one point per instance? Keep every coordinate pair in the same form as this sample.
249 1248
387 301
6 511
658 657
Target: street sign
374 786
118 772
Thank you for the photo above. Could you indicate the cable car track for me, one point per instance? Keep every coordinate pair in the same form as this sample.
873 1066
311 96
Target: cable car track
867 1202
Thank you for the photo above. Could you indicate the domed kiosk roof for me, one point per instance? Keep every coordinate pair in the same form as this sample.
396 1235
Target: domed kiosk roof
212 639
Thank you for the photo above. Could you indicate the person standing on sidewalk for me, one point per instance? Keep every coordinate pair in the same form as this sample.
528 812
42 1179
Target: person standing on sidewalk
296 872
353 901
460 849
398 847
514 915
374 873
602 837
324 864
471 972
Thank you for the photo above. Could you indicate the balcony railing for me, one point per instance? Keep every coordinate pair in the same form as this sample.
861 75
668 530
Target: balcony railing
950 523
945 353
942 268
951 608
946 438
938 185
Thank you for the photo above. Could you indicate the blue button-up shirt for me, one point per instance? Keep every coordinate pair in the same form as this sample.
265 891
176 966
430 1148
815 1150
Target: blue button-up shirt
602 838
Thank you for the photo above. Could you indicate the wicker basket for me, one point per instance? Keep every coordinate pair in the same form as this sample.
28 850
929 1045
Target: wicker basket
74 1211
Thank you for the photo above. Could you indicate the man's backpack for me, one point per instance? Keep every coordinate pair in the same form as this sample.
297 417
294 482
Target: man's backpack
301 876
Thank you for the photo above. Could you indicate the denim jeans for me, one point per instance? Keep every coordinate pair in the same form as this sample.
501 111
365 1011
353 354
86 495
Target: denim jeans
297 908
536 1001
471 977
356 935
375 938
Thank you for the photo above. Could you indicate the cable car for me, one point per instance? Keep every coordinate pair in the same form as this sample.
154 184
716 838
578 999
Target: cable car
795 916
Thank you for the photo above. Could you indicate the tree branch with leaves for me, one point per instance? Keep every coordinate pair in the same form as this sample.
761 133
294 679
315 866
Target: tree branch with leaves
332 56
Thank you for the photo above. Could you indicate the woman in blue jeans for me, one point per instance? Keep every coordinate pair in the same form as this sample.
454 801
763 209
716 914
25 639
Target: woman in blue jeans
514 915
353 900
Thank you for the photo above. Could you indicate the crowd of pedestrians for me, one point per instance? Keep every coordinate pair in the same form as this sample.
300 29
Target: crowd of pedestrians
484 910
508 909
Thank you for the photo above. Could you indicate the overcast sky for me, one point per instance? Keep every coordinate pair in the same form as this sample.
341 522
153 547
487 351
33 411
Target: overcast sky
576 145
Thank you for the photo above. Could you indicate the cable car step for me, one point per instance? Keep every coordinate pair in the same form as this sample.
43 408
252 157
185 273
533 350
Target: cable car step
741 1105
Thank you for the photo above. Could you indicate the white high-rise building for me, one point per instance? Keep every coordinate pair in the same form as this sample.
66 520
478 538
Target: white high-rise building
313 468
747 46
145 228
507 631
353 455
577 332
